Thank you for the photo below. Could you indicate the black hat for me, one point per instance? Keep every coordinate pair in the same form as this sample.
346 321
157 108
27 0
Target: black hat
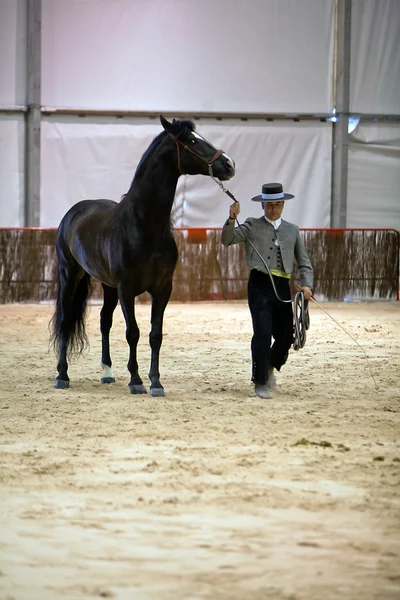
271 192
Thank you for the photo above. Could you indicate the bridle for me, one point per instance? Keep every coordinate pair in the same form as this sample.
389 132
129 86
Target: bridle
209 161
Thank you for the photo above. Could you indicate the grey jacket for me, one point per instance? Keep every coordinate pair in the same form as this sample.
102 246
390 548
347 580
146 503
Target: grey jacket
264 237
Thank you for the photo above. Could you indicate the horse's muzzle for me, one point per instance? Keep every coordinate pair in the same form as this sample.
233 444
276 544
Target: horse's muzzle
224 167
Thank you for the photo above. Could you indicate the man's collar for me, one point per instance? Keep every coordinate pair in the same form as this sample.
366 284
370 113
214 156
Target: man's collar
274 223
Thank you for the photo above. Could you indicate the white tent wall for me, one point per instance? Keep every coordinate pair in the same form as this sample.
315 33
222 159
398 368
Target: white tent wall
185 56
374 176
375 57
373 198
296 154
12 96
12 53
97 158
253 56
12 153
89 158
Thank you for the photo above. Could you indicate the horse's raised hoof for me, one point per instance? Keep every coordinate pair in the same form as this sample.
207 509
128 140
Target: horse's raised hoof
157 392
107 380
137 388
62 384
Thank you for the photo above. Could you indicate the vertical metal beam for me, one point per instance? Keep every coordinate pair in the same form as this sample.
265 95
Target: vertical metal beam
340 148
33 115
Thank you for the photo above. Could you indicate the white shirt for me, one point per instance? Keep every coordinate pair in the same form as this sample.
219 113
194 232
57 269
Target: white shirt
274 223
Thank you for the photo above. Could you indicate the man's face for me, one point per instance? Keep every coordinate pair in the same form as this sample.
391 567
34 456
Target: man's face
273 210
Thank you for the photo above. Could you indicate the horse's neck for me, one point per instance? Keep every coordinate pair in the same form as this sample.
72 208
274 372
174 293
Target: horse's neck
151 195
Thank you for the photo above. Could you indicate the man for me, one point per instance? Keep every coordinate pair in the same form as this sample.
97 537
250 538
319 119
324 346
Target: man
279 243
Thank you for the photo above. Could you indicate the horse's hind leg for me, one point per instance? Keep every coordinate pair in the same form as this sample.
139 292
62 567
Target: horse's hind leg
106 319
127 301
68 327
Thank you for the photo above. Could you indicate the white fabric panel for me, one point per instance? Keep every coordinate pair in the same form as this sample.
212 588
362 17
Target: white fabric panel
375 57
188 55
97 159
12 52
296 154
87 158
374 176
12 149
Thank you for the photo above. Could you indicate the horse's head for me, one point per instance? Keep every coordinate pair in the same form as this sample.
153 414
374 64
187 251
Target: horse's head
195 155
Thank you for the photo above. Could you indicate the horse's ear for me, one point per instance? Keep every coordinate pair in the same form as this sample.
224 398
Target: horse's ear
166 124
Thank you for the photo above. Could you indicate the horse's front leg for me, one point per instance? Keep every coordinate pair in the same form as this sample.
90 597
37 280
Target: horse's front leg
160 301
127 301
106 319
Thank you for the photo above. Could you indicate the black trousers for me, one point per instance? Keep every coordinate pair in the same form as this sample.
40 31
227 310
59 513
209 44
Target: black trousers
271 318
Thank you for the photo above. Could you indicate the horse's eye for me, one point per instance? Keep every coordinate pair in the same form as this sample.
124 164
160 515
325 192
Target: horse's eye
192 141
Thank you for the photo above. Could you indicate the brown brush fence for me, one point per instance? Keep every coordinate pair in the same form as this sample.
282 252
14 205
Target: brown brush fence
347 263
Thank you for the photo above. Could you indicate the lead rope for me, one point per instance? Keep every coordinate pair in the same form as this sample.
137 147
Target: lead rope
301 315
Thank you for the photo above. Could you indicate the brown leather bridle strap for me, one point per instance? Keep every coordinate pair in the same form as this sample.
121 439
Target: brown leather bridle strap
216 155
209 161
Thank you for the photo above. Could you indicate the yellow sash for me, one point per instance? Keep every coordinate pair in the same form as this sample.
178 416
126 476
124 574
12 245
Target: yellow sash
279 273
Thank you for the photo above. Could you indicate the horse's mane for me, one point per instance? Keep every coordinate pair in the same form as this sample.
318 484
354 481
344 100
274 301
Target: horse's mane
178 127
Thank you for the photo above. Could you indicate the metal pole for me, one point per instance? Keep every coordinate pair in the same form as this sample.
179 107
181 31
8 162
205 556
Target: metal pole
340 149
33 115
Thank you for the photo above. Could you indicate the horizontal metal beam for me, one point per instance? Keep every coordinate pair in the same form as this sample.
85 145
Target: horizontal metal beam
370 117
87 112
98 112
10 110
83 112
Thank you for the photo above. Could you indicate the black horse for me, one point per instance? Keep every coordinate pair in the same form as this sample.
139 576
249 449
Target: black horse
130 248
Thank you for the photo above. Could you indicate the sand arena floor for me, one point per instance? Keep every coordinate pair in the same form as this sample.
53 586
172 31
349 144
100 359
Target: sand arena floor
209 492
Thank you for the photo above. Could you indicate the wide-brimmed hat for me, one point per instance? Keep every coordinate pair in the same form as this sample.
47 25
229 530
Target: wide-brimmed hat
271 192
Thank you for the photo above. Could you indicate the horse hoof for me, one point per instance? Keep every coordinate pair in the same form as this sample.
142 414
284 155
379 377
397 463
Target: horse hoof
157 392
62 384
137 388
107 380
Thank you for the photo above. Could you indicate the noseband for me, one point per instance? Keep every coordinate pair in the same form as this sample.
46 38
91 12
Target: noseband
209 161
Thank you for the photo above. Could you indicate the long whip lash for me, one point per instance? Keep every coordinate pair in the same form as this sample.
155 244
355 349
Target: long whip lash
299 298
349 334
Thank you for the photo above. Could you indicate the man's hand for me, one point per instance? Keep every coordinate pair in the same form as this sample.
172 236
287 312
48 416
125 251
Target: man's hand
234 210
306 291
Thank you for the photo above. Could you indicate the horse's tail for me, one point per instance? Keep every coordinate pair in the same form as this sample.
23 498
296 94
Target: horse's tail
68 327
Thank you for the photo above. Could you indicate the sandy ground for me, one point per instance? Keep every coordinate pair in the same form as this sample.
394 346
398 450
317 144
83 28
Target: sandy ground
209 492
